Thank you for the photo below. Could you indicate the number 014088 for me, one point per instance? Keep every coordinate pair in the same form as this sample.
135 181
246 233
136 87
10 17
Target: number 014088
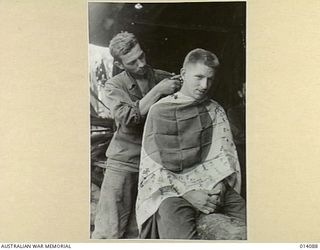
308 245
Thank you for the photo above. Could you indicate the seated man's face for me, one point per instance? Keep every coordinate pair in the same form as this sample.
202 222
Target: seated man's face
197 80
134 61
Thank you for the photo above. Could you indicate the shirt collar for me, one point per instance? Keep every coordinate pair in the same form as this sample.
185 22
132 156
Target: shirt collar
133 82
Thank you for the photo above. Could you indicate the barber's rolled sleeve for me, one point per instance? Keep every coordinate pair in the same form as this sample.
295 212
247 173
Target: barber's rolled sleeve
123 109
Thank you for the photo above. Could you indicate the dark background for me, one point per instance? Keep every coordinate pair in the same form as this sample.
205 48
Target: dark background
168 31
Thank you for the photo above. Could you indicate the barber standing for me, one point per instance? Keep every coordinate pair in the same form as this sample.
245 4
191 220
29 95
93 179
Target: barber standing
129 95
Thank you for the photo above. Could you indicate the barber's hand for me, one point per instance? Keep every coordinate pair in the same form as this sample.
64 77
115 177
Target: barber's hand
169 85
202 200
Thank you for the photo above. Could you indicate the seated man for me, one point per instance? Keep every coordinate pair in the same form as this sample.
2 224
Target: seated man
189 163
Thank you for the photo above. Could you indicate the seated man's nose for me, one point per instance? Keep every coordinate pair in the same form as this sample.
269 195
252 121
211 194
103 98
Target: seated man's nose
204 84
141 64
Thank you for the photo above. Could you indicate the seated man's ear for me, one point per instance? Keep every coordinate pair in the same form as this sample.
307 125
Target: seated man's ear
118 64
182 73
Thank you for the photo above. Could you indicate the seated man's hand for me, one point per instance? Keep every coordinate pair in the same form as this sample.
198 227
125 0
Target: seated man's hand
203 200
219 190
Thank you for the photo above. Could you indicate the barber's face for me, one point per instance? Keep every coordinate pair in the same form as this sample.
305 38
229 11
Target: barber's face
134 62
197 80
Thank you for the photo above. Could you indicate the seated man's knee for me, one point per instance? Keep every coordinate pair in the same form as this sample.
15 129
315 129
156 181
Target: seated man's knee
176 219
170 206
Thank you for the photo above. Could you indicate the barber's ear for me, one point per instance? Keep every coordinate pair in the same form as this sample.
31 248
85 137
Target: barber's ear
182 73
118 64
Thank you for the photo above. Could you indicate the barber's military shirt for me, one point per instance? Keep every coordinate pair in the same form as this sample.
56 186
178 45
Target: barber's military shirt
123 97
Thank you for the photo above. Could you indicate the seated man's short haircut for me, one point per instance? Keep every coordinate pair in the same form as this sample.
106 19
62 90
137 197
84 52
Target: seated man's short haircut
121 44
202 56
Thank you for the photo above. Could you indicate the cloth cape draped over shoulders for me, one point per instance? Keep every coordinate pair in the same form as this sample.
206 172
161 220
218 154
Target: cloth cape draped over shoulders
187 145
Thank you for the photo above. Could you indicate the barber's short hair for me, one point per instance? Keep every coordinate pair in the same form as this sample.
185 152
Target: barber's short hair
202 56
121 44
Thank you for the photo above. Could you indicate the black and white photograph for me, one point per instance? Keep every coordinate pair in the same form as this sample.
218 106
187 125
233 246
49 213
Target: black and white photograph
167 120
132 123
